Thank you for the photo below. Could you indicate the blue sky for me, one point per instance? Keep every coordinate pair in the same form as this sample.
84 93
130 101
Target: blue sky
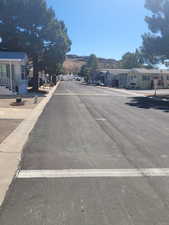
107 28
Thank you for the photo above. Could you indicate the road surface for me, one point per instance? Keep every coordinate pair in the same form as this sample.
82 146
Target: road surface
96 157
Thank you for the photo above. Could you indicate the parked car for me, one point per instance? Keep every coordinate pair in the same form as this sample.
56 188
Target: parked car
99 83
78 78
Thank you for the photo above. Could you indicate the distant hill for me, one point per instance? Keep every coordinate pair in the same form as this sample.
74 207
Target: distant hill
73 63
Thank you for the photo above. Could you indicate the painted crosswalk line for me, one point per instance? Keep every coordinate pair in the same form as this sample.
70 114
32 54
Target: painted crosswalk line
71 173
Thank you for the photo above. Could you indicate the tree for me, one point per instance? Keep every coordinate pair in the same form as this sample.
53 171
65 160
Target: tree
85 72
88 71
156 43
92 65
30 26
54 54
92 62
131 60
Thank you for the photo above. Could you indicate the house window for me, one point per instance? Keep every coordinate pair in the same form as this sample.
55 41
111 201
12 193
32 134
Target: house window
3 74
146 78
167 77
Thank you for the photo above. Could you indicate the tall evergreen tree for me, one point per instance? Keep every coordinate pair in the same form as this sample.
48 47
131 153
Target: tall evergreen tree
156 43
132 60
92 62
88 71
92 65
30 26
85 72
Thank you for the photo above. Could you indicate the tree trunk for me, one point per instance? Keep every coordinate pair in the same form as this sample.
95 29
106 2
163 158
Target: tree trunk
35 73
54 79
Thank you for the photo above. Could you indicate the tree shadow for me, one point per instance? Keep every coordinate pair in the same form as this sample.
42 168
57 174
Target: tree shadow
149 103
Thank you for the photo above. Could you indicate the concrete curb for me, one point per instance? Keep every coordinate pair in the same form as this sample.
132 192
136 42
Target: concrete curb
11 148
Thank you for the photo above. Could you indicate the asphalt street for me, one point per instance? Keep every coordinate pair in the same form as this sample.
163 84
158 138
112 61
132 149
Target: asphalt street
85 128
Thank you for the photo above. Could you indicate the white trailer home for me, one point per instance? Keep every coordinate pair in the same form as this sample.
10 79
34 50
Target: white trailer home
141 78
137 78
13 73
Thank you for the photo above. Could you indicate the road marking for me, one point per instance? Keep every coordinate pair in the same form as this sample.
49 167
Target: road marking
80 94
100 119
150 172
88 94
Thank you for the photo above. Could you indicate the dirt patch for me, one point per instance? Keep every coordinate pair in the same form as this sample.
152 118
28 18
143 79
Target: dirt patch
7 126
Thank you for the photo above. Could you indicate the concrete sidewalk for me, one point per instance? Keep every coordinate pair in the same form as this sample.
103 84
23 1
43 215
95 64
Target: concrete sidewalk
11 148
13 113
151 92
7 126
7 101
11 116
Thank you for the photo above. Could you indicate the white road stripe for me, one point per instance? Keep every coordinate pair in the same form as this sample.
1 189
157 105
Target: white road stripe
100 119
80 94
150 172
88 94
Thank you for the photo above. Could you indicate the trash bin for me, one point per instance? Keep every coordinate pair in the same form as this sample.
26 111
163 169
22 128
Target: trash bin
18 99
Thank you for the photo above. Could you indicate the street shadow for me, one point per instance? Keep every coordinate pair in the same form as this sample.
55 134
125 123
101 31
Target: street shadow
149 103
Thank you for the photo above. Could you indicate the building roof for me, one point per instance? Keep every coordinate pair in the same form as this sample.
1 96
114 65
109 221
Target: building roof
138 70
150 71
13 56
